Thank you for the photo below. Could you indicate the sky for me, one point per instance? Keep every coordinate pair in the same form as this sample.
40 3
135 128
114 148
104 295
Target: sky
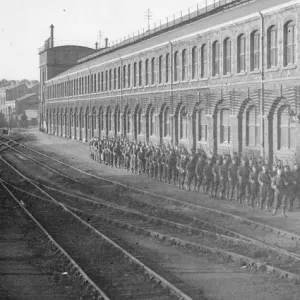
25 25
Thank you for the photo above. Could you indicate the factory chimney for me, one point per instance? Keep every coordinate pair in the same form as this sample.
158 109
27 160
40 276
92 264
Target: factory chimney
106 42
52 36
96 45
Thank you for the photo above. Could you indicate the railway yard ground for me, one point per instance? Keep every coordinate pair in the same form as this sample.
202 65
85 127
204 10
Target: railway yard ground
116 235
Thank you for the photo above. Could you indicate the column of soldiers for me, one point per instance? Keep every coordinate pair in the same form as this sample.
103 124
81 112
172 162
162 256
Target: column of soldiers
230 177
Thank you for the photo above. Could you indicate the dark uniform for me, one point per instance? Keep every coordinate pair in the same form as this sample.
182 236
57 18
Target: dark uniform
199 170
243 177
264 181
232 180
223 173
208 177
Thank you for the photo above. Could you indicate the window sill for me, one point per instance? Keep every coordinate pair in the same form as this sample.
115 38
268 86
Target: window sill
227 75
216 77
286 151
255 72
203 79
241 74
273 69
161 84
202 142
225 144
194 80
289 67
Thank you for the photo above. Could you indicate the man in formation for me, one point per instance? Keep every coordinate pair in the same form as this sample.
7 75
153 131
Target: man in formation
227 176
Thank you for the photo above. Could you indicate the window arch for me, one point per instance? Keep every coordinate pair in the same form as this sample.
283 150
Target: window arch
227 56
225 126
241 53
255 50
272 47
216 58
184 66
286 129
194 62
183 128
153 70
139 121
204 61
289 43
253 127
166 122
152 121
147 72
160 69
202 125
176 66
102 119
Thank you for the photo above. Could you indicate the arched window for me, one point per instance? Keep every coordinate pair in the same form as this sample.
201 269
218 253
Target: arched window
286 129
110 79
289 43
134 75
152 121
124 77
77 119
102 119
99 83
139 121
255 50
106 80
147 72
140 73
102 81
176 66
204 61
225 126
115 78
109 119
202 126
227 56
215 58
183 124
153 70
82 119
166 122
272 47
119 78
94 120
194 62
95 83
241 53
92 83
129 75
167 67
128 119
184 70
118 119
71 118
253 127
160 69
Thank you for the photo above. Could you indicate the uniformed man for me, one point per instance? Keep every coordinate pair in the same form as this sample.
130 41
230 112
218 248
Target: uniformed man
223 174
264 180
232 179
208 177
289 187
253 185
243 180
279 192
199 172
216 179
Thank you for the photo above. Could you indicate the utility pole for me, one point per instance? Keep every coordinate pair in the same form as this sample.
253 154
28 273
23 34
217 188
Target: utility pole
148 15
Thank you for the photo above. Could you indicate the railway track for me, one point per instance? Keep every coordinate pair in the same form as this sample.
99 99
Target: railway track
193 231
126 278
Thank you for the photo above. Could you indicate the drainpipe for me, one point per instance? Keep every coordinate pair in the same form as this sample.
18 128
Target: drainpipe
171 91
262 127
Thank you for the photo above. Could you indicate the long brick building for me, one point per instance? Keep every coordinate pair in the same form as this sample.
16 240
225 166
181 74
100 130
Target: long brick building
224 78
